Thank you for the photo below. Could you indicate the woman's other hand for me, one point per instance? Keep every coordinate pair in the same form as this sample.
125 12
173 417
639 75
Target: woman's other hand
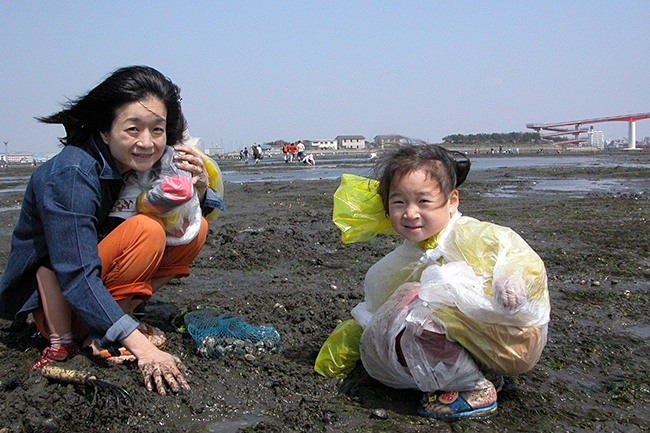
191 160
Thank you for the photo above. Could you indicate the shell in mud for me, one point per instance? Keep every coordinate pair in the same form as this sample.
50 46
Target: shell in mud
203 351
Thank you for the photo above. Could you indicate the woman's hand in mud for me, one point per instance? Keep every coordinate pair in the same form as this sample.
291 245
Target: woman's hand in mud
509 292
191 160
161 371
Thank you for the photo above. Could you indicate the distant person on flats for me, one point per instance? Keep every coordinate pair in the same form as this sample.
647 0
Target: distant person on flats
309 159
285 153
300 149
460 302
78 274
257 155
292 152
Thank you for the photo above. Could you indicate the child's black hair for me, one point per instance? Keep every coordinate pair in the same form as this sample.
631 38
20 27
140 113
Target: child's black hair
448 168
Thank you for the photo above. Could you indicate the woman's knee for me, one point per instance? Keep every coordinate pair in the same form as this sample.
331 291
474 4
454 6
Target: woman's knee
147 229
134 246
147 224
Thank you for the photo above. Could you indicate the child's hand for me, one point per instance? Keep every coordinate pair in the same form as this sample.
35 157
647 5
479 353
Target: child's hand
509 292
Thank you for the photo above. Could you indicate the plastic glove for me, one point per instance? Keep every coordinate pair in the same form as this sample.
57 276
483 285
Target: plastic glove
510 292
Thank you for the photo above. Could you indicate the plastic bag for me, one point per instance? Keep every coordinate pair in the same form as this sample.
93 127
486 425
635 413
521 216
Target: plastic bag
358 210
432 362
216 181
340 352
165 191
457 278
184 222
168 195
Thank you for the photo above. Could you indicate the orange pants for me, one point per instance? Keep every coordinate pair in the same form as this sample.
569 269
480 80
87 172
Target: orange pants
135 253
132 255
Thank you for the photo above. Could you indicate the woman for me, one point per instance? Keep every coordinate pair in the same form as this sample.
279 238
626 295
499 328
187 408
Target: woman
69 266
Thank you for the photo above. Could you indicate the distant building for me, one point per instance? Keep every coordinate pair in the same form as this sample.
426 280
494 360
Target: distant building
276 145
596 139
214 151
18 158
617 143
351 142
324 144
383 140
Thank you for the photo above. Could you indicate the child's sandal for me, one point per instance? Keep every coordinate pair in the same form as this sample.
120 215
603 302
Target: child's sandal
461 409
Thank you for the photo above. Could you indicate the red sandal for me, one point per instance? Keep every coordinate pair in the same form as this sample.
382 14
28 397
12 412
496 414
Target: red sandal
61 354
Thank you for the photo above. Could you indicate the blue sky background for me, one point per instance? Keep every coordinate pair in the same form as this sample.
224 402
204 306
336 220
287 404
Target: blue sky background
258 71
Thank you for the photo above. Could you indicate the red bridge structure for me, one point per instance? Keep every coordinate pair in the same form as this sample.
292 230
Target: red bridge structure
560 130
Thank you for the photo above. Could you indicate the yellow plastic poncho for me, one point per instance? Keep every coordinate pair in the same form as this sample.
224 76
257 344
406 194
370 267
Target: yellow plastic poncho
456 272
358 210
340 353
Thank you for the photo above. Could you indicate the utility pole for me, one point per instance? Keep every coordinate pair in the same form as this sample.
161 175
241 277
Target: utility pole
6 158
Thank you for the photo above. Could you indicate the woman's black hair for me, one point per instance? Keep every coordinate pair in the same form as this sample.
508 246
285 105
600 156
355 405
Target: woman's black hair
449 168
95 111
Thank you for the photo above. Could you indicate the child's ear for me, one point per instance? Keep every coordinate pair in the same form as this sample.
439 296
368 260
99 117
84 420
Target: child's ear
104 136
454 201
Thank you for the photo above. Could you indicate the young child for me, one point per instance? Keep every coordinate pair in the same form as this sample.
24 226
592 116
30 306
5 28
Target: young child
460 300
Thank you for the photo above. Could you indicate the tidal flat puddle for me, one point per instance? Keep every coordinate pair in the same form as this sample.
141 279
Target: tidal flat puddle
578 188
233 426
640 331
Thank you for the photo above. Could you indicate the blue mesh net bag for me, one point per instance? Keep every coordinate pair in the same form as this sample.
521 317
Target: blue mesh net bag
218 334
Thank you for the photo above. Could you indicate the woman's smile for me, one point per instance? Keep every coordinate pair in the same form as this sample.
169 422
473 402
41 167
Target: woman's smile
137 137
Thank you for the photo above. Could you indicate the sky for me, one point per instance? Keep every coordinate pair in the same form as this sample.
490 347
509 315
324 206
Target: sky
260 71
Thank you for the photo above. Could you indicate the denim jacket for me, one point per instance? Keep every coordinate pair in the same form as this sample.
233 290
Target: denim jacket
66 200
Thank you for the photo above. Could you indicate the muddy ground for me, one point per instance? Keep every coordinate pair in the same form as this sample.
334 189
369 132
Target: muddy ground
274 257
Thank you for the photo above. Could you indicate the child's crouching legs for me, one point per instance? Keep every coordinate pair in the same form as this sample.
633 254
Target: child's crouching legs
479 401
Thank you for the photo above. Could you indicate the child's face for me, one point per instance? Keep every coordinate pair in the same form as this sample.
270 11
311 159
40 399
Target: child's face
417 208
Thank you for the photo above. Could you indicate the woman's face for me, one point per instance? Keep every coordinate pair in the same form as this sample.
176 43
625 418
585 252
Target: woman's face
137 137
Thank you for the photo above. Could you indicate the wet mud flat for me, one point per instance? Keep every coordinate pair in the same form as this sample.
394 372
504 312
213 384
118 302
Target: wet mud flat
274 257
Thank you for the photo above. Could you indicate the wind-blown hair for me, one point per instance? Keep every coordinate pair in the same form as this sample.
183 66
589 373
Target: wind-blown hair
448 168
95 111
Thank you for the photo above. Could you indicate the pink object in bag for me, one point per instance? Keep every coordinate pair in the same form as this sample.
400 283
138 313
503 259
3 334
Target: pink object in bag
177 189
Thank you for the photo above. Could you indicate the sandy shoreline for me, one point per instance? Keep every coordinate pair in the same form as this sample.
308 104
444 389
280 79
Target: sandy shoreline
275 257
